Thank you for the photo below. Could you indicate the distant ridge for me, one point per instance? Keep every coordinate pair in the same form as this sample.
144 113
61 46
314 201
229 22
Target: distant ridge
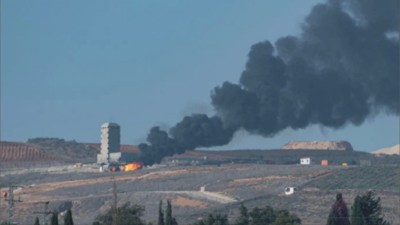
319 145
394 150
53 149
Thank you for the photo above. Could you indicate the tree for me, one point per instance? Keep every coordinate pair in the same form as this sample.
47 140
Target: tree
367 210
68 218
169 220
339 214
54 219
211 219
5 223
168 213
283 217
127 214
160 214
243 218
357 217
36 221
263 216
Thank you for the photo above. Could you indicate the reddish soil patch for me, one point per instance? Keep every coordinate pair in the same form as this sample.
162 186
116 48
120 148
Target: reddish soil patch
186 202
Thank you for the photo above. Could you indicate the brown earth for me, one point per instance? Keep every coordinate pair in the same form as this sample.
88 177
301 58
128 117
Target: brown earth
186 202
259 179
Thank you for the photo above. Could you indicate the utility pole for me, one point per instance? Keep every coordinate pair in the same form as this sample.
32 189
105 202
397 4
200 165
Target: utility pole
45 212
115 203
9 198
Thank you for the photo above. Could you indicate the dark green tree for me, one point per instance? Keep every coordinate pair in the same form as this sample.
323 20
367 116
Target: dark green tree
5 223
357 217
127 214
68 218
169 220
283 217
243 218
96 223
168 213
54 219
367 210
36 221
263 216
339 214
160 214
211 219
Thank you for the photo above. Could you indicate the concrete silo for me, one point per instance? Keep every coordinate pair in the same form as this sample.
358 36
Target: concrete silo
110 143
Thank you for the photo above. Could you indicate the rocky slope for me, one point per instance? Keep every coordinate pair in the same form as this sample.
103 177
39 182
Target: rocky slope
319 145
394 150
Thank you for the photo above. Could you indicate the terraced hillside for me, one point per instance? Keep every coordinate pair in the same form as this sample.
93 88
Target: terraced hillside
40 151
66 151
22 152
362 178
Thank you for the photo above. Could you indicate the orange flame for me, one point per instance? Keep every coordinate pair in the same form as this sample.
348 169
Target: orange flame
132 166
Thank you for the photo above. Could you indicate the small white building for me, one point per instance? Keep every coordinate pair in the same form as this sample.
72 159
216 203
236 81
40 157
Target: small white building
305 161
290 190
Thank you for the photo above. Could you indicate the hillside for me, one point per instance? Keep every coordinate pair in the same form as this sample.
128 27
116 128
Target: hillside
22 152
66 151
225 187
319 145
280 156
394 150
368 177
57 150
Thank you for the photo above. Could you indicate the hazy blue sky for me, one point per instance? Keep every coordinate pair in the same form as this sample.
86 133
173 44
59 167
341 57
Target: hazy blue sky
69 66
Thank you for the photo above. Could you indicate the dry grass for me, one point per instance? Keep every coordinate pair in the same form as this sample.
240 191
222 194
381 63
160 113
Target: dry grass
186 202
259 179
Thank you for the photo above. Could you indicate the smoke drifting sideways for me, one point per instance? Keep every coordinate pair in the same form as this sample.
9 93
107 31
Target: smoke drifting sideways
342 68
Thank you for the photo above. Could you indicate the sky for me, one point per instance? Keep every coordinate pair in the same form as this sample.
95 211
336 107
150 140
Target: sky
69 66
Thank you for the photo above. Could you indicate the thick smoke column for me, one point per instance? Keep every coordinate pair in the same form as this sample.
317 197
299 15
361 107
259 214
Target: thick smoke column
193 131
343 67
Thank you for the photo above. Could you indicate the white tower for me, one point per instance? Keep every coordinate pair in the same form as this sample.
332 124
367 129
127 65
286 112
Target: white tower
110 143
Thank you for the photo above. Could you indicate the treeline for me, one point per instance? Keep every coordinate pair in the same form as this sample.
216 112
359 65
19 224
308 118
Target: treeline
131 215
366 210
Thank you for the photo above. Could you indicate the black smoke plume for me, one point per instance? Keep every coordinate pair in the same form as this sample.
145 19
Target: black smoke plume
342 68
